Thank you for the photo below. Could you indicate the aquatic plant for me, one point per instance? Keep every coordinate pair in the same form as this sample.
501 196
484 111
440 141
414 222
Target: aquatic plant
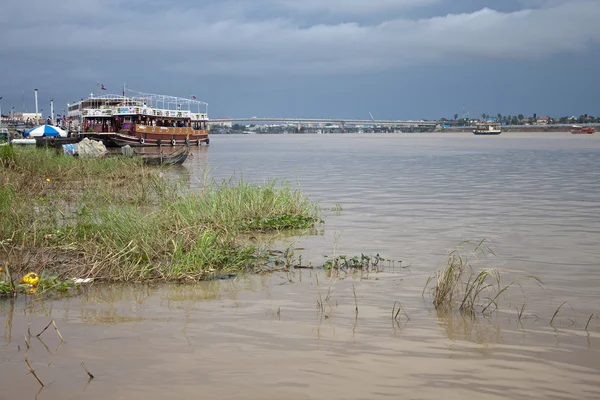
457 284
363 263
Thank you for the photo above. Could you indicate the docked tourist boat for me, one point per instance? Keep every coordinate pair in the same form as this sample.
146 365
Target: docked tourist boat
487 128
578 129
140 119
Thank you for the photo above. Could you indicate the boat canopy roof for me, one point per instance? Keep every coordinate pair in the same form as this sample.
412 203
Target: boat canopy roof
159 100
133 98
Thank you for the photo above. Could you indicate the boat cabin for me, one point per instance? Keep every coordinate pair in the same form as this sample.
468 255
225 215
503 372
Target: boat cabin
146 112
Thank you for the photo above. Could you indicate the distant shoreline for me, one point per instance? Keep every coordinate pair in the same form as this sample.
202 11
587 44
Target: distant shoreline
526 128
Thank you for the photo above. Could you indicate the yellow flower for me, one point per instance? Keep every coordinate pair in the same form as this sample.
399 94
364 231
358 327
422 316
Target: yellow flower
47 179
31 279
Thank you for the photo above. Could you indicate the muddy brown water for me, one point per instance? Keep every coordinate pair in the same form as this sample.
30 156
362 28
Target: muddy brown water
408 197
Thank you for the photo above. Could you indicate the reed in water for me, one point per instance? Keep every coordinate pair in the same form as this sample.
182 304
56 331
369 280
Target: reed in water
457 285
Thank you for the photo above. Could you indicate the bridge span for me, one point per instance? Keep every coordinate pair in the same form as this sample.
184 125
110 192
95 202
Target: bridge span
341 121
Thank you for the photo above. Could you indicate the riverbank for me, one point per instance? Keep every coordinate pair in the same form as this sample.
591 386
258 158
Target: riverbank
115 219
523 128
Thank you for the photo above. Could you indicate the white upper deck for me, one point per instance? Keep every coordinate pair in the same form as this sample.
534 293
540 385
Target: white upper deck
137 103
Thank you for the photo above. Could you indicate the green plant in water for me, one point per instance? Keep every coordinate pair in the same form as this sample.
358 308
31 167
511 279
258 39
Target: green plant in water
456 284
363 263
51 283
285 221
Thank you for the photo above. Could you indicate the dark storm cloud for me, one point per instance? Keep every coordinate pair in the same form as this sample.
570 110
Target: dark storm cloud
118 39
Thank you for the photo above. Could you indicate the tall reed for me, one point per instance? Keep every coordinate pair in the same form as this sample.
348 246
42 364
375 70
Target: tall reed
456 285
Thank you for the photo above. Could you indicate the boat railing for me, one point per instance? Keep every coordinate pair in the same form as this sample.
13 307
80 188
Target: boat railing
148 111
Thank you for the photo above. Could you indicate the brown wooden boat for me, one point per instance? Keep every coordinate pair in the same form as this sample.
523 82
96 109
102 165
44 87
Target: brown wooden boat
141 120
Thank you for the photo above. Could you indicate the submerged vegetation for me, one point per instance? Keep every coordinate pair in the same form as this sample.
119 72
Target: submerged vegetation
116 219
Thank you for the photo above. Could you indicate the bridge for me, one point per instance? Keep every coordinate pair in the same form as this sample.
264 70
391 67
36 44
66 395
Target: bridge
341 121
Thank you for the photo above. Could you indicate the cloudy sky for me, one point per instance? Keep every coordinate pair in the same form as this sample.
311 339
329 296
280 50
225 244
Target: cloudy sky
397 59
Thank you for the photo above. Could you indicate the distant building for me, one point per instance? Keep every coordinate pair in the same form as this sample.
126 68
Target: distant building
22 116
543 120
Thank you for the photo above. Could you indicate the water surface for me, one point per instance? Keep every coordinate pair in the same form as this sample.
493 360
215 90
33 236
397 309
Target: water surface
408 197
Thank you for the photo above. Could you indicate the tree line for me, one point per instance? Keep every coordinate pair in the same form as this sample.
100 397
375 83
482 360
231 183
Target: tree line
523 120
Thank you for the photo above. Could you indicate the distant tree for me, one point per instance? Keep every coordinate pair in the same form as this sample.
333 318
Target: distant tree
483 116
455 117
237 127
499 117
521 117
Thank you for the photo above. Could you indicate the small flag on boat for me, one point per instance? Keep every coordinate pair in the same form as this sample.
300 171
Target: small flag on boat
103 87
194 97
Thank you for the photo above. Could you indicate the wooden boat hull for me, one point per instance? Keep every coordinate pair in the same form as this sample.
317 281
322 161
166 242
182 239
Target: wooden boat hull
145 140
174 158
152 138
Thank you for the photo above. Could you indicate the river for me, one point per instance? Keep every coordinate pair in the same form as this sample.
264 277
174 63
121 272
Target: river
535 198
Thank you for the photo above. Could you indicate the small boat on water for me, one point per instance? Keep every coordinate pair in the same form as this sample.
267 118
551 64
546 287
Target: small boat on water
140 119
487 128
160 158
578 129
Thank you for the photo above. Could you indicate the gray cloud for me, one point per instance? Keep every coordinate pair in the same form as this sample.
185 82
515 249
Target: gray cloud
184 37
355 6
254 48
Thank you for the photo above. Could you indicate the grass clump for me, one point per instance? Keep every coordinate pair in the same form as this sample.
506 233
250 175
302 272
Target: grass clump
456 285
117 219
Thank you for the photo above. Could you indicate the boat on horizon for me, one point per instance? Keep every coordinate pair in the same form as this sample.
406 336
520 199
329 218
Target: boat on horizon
578 129
140 119
487 128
